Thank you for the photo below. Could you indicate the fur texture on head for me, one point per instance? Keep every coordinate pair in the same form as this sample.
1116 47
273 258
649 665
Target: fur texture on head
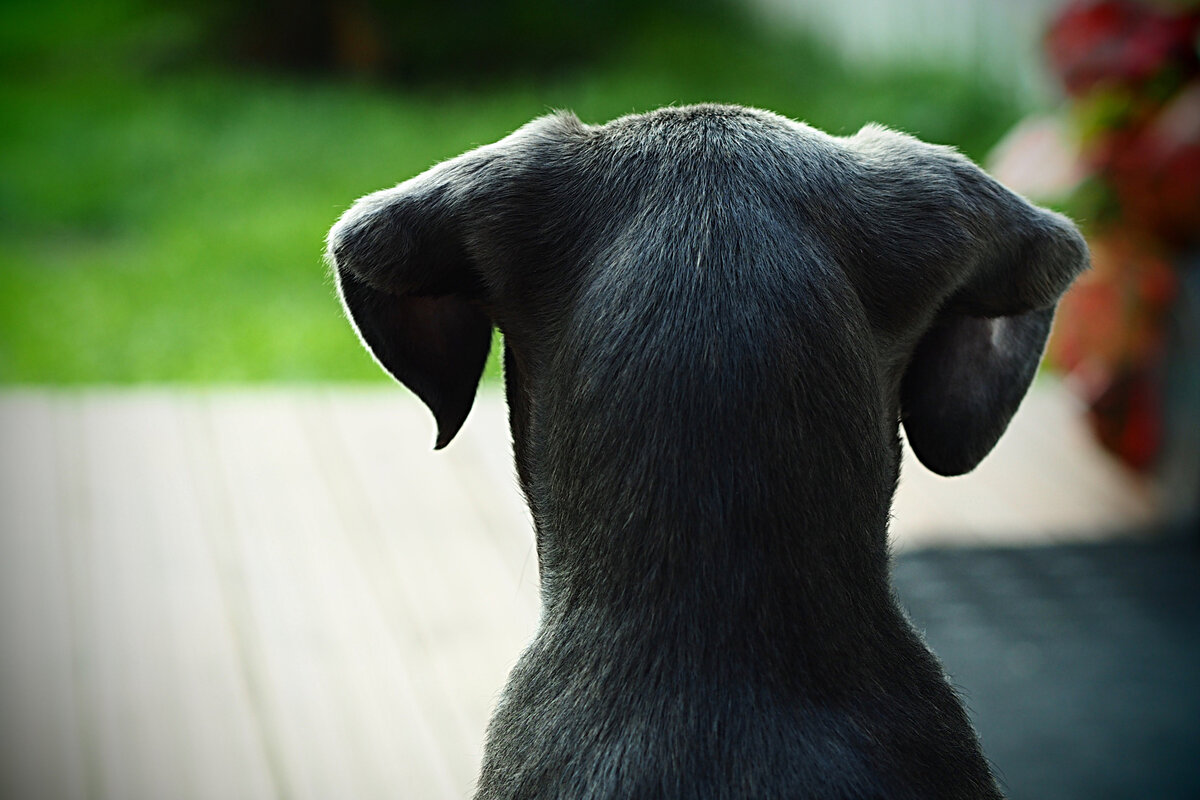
715 320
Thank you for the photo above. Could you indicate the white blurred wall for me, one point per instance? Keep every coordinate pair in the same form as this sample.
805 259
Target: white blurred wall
1000 38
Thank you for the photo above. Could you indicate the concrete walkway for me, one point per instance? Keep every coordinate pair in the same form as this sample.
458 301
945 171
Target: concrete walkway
283 593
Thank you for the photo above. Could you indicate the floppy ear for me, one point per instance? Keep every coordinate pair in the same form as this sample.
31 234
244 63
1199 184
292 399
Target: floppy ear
411 291
972 368
964 383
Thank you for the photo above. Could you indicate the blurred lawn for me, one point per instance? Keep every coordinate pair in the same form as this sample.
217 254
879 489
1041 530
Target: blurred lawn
168 224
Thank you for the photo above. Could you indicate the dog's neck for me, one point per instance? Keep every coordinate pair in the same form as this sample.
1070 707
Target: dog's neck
781 565
700 488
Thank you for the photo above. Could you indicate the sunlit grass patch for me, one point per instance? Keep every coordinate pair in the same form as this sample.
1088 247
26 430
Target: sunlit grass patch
169 227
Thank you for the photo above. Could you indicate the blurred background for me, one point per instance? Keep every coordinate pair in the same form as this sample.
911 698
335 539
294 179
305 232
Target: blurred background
169 169
229 567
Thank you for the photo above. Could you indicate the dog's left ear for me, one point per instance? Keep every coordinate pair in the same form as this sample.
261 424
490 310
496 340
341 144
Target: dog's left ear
972 368
409 286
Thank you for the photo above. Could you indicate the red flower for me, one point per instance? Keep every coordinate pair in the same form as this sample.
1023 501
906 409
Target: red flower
1155 171
1134 74
1127 418
1119 43
1109 338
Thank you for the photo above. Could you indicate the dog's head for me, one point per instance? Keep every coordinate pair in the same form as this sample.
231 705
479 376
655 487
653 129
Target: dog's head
707 256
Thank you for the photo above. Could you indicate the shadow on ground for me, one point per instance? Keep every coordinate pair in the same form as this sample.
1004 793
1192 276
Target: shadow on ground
1080 663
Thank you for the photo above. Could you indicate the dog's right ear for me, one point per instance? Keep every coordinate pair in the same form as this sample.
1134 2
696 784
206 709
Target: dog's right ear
409 287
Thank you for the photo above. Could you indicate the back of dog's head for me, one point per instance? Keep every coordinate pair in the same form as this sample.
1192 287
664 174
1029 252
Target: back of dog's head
713 317
714 321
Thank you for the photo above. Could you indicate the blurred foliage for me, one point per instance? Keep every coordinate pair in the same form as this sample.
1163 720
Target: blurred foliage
418 39
1131 71
164 214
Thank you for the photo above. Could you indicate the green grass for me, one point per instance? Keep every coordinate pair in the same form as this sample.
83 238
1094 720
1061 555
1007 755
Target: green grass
170 227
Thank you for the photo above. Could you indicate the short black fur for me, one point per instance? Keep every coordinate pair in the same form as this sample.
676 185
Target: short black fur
715 320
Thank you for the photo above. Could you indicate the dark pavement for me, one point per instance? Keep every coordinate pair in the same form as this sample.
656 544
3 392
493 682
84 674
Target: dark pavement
1080 664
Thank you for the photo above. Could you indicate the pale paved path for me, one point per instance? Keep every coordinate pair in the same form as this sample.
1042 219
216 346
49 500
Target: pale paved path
285 593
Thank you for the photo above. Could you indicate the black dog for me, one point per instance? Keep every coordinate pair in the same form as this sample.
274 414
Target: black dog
715 320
